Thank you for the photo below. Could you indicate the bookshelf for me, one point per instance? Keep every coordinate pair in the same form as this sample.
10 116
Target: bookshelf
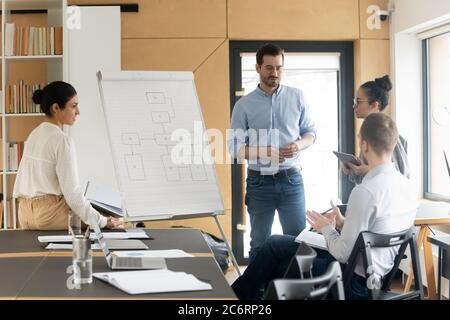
31 55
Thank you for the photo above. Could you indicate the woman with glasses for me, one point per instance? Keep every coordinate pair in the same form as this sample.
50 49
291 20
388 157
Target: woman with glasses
373 97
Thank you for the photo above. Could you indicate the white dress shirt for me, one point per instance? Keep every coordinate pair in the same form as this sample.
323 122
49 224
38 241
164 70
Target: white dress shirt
49 167
383 203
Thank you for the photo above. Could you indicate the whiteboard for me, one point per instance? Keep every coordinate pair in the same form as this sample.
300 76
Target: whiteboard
142 110
95 46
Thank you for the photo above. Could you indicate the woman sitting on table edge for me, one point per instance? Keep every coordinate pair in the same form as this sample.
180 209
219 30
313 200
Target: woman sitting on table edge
47 185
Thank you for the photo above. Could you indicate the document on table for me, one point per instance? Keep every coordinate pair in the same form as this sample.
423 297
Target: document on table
313 239
153 281
106 235
172 253
68 246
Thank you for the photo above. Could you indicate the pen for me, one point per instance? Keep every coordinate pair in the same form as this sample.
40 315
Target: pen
326 211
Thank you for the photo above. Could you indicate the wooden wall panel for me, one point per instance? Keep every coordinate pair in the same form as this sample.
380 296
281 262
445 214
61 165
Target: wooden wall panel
372 60
293 19
172 18
212 82
1 157
366 33
166 54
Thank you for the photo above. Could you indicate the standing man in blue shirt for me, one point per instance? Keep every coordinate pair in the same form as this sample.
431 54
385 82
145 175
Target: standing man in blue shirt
270 126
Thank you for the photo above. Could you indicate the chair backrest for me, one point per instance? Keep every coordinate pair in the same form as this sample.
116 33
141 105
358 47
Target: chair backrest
316 288
342 208
301 263
367 240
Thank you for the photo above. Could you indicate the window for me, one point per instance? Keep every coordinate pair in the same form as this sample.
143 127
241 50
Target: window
437 117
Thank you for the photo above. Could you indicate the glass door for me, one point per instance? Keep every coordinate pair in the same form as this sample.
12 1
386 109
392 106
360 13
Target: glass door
318 75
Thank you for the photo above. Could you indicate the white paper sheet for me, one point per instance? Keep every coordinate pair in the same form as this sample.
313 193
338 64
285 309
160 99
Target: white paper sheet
106 235
68 246
153 281
313 239
103 194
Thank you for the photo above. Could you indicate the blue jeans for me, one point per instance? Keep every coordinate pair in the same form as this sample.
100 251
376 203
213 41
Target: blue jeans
267 193
271 263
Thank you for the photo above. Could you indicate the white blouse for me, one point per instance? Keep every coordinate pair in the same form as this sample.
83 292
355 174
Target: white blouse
49 166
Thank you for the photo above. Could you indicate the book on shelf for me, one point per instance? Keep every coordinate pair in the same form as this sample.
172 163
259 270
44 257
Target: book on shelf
58 40
52 41
28 40
19 98
9 205
47 41
9 39
14 154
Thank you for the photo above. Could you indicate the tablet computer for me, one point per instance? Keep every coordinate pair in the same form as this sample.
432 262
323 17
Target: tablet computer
346 158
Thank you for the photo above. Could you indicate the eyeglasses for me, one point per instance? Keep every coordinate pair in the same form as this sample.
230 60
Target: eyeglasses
270 68
357 101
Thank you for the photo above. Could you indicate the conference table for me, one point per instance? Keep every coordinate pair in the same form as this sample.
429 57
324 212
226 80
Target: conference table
29 271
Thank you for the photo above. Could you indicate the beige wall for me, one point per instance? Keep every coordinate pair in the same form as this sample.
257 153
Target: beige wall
194 35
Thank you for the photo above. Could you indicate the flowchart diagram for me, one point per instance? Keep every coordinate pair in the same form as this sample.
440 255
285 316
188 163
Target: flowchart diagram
161 114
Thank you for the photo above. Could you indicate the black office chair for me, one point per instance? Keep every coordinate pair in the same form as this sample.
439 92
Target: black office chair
380 290
317 288
301 264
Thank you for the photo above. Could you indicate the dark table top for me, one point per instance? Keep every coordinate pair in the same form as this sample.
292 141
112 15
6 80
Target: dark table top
187 239
46 277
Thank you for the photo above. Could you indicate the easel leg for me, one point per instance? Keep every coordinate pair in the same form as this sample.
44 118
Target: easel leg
233 259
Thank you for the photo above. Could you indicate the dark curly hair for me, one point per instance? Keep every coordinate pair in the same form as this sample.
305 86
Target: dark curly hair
378 90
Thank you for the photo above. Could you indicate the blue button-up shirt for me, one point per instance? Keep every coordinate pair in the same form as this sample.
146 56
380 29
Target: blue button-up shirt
256 116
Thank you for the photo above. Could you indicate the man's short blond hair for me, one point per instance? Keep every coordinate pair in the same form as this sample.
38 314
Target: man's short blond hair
380 132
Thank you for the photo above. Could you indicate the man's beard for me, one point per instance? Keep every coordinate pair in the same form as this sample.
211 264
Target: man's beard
272 84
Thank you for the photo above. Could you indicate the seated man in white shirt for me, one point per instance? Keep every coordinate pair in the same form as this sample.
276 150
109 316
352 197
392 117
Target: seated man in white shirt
383 203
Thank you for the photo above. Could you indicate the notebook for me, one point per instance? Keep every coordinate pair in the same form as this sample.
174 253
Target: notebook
153 281
312 239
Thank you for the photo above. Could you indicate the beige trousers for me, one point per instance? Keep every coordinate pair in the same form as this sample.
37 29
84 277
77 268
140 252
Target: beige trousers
49 212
